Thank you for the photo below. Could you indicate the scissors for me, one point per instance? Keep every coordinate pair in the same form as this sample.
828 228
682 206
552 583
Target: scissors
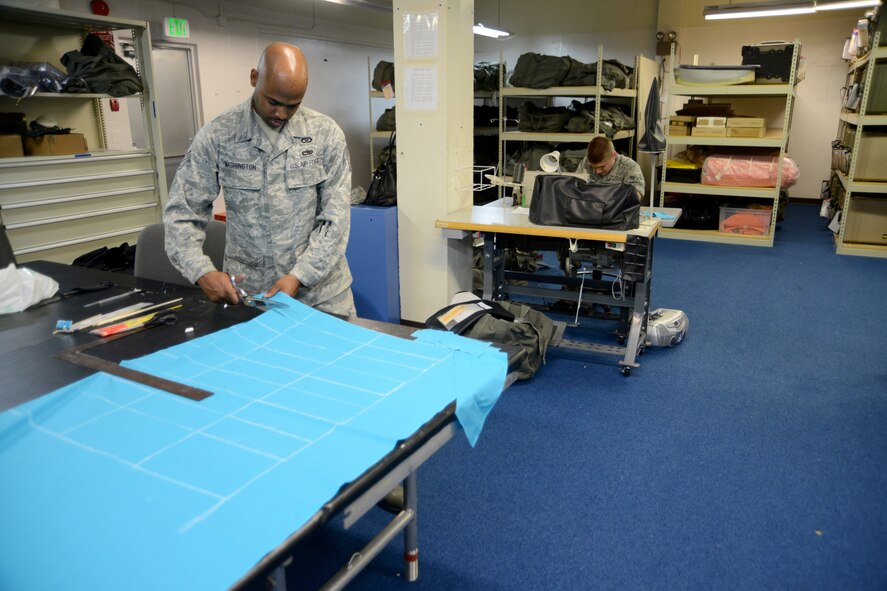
255 301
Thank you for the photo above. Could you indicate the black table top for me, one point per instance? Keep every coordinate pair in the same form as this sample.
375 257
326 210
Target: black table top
27 344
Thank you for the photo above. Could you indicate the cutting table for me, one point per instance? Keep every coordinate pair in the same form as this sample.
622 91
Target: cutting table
110 482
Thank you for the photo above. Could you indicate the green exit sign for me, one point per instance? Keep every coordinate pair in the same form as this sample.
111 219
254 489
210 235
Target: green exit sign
175 27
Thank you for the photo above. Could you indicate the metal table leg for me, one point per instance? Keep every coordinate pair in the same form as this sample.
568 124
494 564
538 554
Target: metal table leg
640 309
411 532
494 267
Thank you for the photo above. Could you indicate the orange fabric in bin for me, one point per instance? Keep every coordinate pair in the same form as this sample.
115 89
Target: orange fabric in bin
739 170
745 223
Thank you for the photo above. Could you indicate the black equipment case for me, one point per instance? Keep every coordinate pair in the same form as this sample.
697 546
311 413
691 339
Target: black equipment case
774 59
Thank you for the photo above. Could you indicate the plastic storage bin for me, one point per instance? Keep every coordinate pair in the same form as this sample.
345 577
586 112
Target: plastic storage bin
748 222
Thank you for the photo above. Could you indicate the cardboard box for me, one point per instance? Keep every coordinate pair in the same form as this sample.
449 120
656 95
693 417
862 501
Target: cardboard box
711 122
709 132
878 90
746 122
56 145
867 222
678 130
11 146
682 120
745 131
870 157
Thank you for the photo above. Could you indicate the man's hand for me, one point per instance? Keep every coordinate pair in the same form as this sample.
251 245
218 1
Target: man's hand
218 288
288 284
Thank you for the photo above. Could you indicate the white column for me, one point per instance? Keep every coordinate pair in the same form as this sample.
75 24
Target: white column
434 88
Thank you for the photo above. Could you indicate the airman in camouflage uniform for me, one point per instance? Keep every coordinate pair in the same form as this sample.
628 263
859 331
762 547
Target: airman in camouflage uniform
604 165
287 201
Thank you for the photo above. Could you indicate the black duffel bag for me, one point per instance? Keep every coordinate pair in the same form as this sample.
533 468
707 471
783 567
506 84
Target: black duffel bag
562 200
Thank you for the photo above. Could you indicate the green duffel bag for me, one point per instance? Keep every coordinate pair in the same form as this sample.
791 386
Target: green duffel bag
534 70
386 121
548 119
383 74
500 323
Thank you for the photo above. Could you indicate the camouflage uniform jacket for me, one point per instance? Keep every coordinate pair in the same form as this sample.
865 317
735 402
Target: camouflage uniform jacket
288 207
625 170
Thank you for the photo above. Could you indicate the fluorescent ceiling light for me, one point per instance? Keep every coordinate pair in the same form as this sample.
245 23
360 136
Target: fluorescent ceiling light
756 9
847 4
759 9
383 5
480 29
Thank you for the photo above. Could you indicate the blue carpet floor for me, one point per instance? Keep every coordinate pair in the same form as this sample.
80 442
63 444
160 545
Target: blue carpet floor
751 456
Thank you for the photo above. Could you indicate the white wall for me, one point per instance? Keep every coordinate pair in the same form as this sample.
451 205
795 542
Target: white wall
337 42
817 98
568 27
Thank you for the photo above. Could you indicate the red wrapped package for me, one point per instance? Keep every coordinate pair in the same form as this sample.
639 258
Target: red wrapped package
731 170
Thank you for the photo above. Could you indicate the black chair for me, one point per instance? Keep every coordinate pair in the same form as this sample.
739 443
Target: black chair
6 254
152 263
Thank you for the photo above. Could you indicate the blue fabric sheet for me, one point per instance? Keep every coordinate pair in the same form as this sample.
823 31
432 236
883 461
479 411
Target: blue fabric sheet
108 481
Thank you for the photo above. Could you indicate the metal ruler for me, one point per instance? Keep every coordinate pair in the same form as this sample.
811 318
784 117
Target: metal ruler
77 356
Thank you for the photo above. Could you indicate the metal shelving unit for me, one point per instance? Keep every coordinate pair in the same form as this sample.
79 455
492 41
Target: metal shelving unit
598 93
776 137
858 192
375 98
58 207
376 95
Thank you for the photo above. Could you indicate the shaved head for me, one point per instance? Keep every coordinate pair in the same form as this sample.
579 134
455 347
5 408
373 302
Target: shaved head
280 80
283 63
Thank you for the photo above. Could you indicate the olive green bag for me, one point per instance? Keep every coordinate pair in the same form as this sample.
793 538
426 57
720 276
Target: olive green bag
502 323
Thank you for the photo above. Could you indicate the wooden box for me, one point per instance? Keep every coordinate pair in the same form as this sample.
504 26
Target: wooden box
678 130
